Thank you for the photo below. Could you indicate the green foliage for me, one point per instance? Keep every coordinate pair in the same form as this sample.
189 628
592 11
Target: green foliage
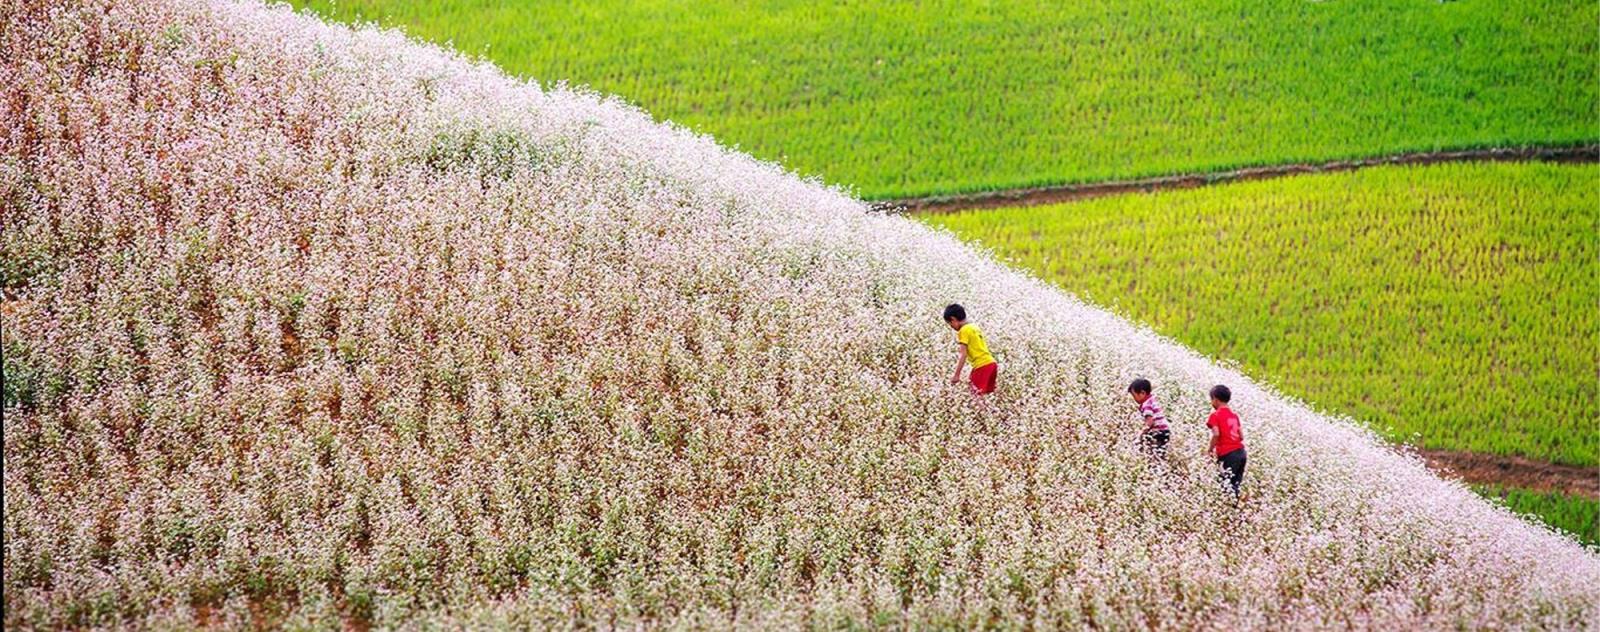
1455 302
20 383
1576 515
901 99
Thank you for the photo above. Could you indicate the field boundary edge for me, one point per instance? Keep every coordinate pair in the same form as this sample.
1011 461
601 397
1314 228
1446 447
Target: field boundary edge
1036 196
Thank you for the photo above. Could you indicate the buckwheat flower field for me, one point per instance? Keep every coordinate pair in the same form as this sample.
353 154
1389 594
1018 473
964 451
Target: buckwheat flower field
312 327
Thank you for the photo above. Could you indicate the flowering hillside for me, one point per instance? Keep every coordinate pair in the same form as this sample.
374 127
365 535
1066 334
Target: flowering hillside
311 327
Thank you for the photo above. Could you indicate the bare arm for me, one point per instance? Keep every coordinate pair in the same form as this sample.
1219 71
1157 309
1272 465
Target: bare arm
961 361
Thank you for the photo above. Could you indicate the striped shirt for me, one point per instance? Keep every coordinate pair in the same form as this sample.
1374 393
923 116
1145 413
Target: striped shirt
1154 418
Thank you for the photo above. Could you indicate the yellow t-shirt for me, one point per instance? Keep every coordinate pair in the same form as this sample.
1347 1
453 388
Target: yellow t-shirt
977 349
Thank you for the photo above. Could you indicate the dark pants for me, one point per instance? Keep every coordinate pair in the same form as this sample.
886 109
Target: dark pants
1154 443
1232 469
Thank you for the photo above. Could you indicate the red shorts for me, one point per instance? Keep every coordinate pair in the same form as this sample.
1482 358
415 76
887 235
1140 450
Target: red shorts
983 378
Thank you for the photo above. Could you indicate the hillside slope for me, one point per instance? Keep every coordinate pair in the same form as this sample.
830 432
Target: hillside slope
312 326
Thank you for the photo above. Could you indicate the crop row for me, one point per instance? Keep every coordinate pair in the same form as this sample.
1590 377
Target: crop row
901 99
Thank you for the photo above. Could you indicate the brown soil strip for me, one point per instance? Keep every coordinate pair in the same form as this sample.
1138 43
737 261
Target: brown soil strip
1068 192
1512 471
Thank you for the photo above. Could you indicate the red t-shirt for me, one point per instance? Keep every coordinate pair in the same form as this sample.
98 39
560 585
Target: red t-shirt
1229 437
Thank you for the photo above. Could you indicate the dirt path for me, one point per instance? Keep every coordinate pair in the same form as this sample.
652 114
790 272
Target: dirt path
1512 471
1067 192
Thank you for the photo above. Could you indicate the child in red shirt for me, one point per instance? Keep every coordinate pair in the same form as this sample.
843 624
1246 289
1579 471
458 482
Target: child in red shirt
1227 439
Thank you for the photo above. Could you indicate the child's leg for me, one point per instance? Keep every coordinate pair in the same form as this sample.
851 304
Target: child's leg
982 397
1238 474
1233 470
983 383
1225 473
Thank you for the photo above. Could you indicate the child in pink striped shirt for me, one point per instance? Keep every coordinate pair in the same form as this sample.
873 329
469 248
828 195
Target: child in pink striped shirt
1153 440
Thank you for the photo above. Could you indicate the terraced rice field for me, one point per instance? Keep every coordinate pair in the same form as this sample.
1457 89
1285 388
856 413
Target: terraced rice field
902 99
1450 305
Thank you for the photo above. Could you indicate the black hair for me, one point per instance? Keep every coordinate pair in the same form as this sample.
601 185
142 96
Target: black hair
1221 393
1140 385
955 311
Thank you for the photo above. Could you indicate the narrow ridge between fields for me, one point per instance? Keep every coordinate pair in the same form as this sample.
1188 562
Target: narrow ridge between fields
1034 196
1515 471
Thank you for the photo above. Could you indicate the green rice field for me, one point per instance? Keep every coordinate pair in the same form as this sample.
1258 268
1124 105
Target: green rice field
902 99
1450 305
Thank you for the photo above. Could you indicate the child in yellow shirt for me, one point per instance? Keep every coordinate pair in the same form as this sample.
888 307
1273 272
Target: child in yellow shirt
974 351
